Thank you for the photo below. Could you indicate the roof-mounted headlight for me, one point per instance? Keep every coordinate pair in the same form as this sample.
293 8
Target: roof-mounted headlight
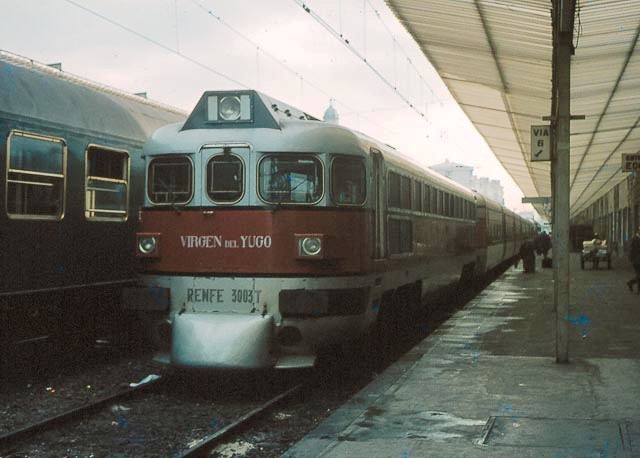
229 108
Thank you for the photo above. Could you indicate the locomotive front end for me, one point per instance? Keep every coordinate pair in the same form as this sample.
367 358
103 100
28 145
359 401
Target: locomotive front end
240 244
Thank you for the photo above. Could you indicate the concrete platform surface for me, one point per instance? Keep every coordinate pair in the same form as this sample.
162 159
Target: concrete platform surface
486 384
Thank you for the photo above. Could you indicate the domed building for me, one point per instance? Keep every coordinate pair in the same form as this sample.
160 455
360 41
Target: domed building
330 114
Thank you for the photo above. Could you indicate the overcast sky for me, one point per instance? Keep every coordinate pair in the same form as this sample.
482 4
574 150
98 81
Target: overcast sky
176 49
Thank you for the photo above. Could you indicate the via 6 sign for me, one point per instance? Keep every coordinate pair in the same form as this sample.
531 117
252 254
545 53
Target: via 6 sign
540 143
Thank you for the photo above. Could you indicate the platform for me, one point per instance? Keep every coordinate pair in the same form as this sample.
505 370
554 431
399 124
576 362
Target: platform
486 384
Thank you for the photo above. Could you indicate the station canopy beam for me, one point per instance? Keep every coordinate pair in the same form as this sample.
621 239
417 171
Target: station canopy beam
495 56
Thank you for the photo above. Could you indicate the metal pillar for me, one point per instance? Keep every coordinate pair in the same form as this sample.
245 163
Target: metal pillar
563 11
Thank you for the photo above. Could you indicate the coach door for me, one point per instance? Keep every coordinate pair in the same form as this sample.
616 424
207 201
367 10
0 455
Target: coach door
379 204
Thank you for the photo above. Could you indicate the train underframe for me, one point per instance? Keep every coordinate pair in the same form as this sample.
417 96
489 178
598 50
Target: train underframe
269 322
65 319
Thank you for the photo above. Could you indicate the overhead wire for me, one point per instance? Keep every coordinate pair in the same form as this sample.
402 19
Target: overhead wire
157 43
339 35
406 55
346 42
284 65
205 66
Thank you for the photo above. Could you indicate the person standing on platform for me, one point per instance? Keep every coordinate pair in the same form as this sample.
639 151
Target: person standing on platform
634 257
545 244
528 255
537 244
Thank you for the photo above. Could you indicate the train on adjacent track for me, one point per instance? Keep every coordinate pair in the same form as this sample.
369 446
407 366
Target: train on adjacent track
71 184
267 235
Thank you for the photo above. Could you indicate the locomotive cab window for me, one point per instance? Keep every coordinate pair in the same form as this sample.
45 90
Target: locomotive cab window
170 180
348 181
106 184
290 179
225 178
36 169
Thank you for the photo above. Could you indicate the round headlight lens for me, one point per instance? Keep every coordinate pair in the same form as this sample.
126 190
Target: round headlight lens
147 245
311 246
230 108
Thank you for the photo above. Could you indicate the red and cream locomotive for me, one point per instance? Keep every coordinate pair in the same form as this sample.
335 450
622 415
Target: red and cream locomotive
268 235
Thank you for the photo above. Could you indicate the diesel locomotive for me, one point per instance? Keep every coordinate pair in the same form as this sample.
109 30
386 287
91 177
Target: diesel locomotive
267 235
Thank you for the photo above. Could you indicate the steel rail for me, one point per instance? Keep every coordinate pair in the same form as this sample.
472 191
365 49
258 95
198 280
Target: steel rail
206 444
20 434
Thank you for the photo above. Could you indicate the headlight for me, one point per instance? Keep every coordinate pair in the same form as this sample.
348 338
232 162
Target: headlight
147 245
310 246
230 108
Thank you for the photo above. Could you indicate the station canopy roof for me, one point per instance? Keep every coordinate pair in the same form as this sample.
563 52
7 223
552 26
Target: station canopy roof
495 56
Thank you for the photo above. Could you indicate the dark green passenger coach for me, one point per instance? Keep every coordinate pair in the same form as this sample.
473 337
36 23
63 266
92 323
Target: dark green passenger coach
71 181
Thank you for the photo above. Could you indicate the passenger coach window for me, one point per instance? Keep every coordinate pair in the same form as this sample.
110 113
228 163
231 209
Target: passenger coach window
35 176
294 179
394 190
434 201
405 192
417 196
400 236
225 178
426 201
348 184
170 180
107 184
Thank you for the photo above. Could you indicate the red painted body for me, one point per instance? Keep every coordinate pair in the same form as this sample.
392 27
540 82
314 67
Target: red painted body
257 241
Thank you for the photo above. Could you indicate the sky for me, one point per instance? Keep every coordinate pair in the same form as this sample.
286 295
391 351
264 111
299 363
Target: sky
380 84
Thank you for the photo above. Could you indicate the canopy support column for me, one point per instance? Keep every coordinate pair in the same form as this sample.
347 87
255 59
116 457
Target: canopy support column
563 13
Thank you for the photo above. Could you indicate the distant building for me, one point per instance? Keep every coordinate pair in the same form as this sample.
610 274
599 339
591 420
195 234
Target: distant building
463 174
459 173
330 114
489 188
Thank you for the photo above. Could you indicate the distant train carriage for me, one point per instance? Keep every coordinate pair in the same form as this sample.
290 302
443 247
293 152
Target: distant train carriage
267 235
72 180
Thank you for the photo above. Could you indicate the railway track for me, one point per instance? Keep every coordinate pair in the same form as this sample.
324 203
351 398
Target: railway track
10 439
164 423
206 444
42 438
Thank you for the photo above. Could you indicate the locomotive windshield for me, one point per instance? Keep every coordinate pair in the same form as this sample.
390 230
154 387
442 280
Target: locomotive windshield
348 185
170 180
225 178
295 179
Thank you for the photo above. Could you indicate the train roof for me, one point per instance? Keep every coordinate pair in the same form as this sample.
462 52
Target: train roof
34 91
268 124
